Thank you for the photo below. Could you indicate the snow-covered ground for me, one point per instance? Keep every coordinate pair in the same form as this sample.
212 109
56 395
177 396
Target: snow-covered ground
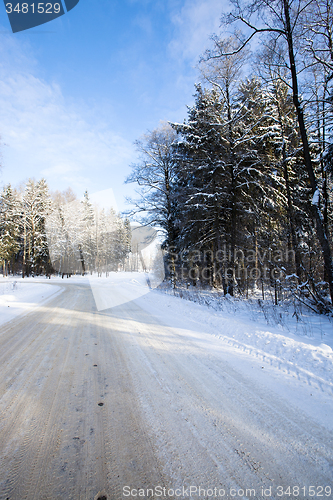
19 295
297 349
297 362
111 385
301 347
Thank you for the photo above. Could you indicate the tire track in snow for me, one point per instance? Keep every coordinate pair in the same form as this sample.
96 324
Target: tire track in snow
183 421
175 411
204 378
131 458
285 366
38 414
65 445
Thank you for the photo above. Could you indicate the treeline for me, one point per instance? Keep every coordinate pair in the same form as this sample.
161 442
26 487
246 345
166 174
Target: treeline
242 188
42 233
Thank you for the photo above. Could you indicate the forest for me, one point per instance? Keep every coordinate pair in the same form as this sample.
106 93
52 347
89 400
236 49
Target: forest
44 233
242 189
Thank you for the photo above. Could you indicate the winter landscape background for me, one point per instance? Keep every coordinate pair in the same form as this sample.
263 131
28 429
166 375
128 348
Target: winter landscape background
166 252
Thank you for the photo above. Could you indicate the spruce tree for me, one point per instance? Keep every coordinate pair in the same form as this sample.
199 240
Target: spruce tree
9 228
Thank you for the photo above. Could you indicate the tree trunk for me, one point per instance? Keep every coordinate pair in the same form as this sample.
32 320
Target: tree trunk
320 226
233 197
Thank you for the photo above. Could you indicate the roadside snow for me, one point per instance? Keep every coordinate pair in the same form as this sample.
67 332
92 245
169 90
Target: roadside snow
294 363
299 346
293 352
19 295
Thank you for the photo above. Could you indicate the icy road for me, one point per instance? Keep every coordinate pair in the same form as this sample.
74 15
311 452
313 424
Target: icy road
140 401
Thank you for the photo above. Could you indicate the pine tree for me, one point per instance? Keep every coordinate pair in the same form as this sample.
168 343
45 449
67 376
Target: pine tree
9 228
285 24
88 245
36 205
201 195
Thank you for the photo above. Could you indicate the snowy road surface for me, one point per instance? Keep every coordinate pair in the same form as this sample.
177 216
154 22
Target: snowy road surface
138 397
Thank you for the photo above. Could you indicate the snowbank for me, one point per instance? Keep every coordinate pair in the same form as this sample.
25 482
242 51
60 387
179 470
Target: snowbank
301 349
19 295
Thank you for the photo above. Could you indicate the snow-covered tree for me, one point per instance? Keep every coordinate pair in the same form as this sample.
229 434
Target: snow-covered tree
202 197
284 24
36 205
83 238
9 228
155 175
87 246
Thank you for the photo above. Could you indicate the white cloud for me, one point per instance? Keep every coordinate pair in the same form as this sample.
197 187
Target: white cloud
44 135
194 24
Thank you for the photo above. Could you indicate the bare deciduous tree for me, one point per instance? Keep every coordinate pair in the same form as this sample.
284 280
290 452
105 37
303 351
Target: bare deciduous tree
155 176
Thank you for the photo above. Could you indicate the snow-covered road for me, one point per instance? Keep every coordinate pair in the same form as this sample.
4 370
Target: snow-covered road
140 400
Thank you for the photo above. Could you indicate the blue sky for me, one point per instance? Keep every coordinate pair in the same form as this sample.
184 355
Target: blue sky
75 93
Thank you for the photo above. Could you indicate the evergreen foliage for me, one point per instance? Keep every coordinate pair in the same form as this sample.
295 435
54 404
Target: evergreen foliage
252 163
41 234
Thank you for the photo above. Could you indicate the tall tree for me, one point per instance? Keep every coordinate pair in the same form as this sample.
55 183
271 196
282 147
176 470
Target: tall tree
202 197
9 227
155 175
36 205
283 21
